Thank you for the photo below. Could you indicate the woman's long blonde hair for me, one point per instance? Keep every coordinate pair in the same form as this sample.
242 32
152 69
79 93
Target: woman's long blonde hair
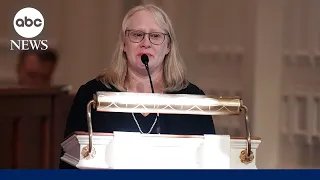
174 75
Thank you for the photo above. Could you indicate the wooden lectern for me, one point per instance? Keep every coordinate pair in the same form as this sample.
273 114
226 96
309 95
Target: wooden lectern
130 150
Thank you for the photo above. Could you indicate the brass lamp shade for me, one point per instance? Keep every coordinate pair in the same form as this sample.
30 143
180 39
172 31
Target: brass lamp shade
169 104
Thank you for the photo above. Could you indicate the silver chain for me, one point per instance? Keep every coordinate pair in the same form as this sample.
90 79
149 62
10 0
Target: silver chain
154 123
137 123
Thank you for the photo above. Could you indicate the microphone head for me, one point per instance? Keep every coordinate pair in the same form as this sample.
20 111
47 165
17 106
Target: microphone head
145 59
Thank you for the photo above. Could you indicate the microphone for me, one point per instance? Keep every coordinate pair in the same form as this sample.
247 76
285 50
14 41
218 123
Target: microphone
145 61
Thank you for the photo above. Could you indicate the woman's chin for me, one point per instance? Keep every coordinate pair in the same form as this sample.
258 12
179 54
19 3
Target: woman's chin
139 68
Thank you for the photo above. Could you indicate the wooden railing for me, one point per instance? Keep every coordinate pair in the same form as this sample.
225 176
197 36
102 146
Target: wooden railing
31 127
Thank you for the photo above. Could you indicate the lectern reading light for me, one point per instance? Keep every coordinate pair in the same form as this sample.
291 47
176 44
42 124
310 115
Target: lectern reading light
170 104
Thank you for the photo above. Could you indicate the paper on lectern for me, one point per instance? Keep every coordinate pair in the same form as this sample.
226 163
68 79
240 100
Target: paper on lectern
134 150
127 149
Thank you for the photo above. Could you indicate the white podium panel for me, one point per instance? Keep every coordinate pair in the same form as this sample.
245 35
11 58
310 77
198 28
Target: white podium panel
126 150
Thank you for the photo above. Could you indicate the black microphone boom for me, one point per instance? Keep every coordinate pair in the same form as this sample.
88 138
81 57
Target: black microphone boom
145 61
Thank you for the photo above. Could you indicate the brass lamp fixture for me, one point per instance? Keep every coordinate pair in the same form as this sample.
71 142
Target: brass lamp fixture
169 104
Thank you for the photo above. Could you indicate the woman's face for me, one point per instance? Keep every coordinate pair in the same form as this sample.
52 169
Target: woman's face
138 43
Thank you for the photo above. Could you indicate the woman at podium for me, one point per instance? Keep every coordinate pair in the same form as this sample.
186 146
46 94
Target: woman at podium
146 60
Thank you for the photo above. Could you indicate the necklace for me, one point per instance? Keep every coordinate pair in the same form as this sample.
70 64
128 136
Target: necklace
138 125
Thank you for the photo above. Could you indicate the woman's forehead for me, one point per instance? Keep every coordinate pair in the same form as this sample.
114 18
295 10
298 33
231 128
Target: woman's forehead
144 21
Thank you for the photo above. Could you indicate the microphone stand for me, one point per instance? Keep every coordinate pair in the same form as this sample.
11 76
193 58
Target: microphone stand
145 61
147 67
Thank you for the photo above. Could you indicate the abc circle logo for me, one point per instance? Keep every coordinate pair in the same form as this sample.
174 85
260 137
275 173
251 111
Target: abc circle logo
28 22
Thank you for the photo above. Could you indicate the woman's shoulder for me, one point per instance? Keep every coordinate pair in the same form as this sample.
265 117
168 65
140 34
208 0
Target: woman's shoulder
94 85
191 88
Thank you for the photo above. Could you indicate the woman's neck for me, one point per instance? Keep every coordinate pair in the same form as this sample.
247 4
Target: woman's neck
137 82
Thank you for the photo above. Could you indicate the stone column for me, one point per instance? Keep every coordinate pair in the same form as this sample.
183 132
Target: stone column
267 80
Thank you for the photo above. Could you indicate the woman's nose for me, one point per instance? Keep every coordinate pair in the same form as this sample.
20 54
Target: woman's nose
146 42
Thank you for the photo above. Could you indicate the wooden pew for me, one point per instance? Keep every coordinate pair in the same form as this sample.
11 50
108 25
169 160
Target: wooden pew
31 126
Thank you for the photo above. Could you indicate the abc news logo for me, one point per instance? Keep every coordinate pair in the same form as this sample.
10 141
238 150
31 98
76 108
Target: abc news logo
28 23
